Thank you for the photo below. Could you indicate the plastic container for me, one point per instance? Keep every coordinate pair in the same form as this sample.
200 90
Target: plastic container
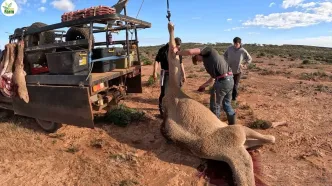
68 62
98 53
102 66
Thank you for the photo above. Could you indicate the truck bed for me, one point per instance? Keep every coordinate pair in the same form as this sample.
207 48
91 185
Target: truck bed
75 80
101 77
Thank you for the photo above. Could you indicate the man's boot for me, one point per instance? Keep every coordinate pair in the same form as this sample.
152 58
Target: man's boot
231 119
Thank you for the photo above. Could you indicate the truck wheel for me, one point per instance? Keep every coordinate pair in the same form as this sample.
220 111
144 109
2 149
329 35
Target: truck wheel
77 33
48 126
36 40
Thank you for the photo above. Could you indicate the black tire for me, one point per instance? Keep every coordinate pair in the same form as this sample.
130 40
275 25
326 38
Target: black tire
77 33
18 32
48 126
36 40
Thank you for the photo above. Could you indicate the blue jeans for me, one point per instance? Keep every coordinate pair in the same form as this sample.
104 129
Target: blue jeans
221 93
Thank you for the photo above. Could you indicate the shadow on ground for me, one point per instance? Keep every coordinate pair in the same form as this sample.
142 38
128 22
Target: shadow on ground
8 116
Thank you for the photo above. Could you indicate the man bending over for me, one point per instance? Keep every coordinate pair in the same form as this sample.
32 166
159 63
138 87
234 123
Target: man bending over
221 73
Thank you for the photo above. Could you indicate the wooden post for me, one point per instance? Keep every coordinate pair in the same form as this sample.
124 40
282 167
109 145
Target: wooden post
127 35
137 50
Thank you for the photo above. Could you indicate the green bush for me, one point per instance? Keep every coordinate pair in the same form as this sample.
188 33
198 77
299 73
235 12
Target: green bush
151 80
260 124
147 62
123 115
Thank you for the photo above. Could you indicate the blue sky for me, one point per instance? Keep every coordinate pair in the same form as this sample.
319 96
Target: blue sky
307 22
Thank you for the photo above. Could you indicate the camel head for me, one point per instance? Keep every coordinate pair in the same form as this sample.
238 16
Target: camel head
227 144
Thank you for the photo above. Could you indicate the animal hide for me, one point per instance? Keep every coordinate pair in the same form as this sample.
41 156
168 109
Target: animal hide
19 74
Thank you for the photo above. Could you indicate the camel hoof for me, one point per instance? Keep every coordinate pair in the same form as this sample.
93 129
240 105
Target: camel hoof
271 139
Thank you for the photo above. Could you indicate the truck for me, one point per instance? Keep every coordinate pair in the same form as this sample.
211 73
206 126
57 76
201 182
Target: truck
70 77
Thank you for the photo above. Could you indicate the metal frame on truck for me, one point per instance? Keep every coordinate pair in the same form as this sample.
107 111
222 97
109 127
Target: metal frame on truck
74 99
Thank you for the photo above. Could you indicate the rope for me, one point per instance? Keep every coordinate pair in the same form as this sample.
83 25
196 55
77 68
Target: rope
139 10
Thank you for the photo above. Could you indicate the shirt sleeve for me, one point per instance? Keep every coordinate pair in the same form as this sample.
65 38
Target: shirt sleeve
206 51
226 55
247 57
158 56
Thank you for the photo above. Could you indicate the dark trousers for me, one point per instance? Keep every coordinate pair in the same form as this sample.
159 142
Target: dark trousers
237 78
163 90
221 93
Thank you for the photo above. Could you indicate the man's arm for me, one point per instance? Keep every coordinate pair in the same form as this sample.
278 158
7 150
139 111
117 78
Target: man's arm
155 65
247 57
155 69
226 55
189 52
207 83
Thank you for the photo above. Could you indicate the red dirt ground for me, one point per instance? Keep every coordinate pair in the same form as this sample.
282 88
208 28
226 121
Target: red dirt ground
139 155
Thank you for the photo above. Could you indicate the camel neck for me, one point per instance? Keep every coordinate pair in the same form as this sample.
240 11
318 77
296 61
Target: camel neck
174 76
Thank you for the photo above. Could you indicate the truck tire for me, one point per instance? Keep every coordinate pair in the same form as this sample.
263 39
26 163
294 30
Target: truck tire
42 38
77 33
18 32
48 126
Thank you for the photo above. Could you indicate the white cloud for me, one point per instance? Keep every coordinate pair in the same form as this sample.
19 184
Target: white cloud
43 1
324 9
64 5
313 14
235 28
272 4
253 33
21 1
229 19
42 9
307 5
291 3
20 5
324 41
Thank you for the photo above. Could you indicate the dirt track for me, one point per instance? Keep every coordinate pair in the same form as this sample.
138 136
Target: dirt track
139 154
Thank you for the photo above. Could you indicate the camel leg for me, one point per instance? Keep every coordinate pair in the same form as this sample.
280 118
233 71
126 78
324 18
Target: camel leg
177 134
164 132
5 61
250 133
242 166
253 143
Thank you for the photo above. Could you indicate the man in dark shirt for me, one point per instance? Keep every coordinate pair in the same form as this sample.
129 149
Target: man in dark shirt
161 58
218 68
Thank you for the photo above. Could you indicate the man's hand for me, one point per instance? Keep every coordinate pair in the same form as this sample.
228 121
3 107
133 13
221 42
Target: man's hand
201 88
154 76
184 79
242 66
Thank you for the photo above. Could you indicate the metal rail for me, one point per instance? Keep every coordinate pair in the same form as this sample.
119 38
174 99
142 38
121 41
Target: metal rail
96 19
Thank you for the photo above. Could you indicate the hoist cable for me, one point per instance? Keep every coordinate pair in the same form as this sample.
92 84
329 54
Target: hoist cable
168 16
139 10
